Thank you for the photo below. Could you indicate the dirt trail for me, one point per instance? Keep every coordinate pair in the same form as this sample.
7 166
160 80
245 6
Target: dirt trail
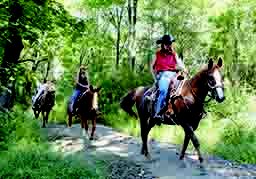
164 163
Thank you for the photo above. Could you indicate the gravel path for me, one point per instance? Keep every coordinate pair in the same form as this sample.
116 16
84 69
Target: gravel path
128 163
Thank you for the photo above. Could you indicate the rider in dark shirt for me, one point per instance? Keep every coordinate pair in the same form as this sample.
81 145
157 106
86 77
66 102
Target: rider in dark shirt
82 84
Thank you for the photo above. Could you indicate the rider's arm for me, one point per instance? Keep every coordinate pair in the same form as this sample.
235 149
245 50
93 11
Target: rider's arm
87 78
153 67
180 64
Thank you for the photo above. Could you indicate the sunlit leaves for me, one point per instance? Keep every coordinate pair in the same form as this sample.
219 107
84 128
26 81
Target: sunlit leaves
102 3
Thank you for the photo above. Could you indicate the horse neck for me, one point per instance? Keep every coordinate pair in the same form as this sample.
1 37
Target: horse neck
86 99
199 86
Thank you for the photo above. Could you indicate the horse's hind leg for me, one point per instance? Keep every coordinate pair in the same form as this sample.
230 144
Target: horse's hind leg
93 127
145 129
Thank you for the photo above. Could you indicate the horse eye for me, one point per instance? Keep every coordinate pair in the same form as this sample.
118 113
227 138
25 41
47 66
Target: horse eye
211 80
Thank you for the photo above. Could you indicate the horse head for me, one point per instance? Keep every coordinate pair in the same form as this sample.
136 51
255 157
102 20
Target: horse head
36 111
215 80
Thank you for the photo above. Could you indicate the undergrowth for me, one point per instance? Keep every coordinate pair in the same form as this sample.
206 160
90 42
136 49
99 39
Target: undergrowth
25 152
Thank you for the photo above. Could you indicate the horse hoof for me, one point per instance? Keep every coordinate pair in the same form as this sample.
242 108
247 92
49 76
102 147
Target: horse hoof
91 138
201 159
148 156
181 157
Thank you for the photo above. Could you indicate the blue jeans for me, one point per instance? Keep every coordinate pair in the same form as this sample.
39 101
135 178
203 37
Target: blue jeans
74 97
164 78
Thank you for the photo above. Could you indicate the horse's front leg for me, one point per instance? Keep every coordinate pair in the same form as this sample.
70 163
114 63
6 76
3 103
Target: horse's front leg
70 116
44 118
47 116
85 125
93 127
190 132
185 145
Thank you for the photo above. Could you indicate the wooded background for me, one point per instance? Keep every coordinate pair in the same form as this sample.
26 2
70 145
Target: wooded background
49 39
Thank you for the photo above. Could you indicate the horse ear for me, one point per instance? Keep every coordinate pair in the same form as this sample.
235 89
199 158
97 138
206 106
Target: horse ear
91 87
98 89
220 62
210 64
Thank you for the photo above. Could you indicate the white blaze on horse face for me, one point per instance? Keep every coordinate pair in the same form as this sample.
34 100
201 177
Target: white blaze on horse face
95 101
218 80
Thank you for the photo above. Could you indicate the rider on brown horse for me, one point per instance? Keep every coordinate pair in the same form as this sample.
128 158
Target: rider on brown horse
82 84
41 91
165 67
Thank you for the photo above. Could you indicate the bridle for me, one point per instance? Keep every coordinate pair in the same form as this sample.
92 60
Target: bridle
210 88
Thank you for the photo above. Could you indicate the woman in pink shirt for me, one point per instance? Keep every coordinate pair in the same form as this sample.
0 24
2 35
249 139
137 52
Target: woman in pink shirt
165 68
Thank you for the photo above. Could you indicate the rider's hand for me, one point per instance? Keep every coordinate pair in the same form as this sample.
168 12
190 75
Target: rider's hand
185 71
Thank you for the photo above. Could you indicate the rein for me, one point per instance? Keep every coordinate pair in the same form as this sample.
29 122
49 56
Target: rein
202 101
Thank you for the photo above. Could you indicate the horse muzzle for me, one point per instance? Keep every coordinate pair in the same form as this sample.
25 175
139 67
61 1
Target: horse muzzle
219 95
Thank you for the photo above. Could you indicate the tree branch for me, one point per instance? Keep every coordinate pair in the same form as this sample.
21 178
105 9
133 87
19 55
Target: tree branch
27 60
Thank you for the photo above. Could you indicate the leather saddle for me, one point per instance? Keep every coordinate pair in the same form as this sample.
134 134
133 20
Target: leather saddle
151 93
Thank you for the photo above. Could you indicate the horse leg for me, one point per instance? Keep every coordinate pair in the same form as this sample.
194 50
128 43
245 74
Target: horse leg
85 124
144 134
185 145
143 129
93 127
47 116
69 117
194 140
43 114
82 123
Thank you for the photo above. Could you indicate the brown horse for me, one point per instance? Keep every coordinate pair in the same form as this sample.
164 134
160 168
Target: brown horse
187 107
87 109
45 104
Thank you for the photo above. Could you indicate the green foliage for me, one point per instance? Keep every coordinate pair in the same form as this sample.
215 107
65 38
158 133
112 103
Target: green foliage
29 155
50 32
34 162
115 85
238 138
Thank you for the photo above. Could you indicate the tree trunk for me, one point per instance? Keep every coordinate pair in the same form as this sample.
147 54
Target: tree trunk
129 30
13 46
47 70
119 13
132 17
11 56
118 44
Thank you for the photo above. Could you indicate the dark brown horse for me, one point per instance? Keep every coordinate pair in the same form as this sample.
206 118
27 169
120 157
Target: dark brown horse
187 107
45 104
87 109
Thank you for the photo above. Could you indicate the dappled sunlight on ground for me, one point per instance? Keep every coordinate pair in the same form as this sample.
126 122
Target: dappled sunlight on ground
164 162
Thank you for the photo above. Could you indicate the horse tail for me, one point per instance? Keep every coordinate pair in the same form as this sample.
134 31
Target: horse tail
127 103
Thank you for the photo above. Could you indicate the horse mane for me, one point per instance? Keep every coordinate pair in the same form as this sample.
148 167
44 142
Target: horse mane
200 73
